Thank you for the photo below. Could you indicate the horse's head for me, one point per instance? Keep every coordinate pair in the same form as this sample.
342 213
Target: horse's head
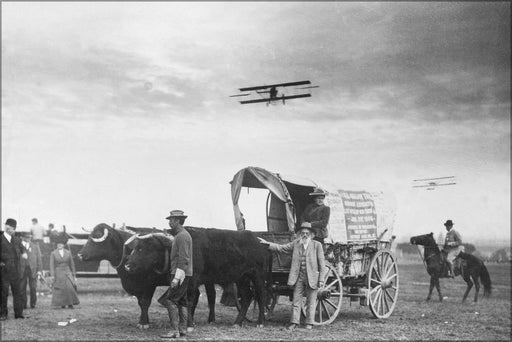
424 240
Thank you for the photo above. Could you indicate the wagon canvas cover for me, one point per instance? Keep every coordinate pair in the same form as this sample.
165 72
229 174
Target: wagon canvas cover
356 215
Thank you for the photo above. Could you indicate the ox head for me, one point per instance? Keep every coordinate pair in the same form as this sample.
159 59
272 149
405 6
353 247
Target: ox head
100 245
150 253
424 240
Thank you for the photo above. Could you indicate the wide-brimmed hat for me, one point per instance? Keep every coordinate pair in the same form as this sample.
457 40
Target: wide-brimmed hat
177 214
303 226
11 223
448 223
26 234
318 192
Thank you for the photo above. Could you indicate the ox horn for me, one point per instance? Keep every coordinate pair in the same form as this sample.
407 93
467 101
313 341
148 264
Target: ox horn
127 242
166 264
86 230
143 237
101 239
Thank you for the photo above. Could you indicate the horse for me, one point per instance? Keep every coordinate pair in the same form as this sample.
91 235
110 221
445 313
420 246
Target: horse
470 268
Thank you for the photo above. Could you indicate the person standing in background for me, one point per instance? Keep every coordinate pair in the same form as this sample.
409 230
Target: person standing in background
38 231
10 256
31 268
62 270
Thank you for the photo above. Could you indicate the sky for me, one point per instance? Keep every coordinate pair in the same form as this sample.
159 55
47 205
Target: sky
120 112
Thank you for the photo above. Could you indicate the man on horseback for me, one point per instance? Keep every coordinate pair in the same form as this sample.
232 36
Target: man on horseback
452 246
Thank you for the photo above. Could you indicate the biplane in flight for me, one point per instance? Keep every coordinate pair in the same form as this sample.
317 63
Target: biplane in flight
273 93
432 183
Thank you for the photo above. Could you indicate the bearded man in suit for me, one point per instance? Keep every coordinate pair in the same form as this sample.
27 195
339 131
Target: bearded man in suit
307 272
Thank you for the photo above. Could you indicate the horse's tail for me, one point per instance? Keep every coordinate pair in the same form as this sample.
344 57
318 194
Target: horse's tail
486 280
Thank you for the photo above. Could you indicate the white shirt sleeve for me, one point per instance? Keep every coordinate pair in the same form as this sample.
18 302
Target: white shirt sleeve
180 275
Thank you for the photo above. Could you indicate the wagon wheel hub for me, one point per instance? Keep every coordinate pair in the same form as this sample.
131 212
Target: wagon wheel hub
386 283
323 294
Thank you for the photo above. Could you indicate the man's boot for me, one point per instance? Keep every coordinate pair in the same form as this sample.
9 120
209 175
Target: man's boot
172 309
183 314
450 270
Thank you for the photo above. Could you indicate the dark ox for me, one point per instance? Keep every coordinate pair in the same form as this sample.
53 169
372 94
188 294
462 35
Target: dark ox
219 257
107 243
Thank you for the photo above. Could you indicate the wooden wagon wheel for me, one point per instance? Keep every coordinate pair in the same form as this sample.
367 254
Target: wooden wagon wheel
253 310
329 298
382 284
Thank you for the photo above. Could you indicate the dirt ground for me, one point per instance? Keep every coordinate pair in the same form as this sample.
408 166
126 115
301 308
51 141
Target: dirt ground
106 313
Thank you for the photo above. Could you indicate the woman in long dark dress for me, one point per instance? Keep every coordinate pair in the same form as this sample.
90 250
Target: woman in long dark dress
62 269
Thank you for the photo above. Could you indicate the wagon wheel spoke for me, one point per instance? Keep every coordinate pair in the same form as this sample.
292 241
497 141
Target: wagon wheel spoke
376 288
330 303
326 311
376 281
331 284
389 295
385 302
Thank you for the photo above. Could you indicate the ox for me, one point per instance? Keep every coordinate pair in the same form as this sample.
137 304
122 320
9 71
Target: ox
219 257
107 243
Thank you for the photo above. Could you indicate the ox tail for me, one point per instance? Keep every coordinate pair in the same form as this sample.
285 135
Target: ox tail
166 264
486 280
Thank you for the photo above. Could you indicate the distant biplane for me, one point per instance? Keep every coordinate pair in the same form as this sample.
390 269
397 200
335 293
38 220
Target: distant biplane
276 92
432 183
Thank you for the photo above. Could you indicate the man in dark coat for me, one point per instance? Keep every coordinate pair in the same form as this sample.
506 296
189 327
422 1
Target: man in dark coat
30 269
11 253
316 215
175 299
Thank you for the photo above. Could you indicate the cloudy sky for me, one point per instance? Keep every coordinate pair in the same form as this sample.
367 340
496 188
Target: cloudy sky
120 112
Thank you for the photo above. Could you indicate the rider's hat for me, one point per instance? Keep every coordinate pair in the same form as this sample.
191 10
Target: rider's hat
448 223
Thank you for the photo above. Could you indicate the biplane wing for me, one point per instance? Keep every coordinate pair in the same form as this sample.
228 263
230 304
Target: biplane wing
276 99
432 179
432 183
289 84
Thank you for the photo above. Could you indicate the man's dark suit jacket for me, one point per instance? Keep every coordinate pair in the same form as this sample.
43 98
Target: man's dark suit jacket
10 257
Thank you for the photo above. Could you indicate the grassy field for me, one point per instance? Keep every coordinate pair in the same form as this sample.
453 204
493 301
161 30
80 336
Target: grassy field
106 312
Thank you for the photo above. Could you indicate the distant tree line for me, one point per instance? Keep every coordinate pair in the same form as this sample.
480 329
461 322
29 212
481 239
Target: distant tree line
408 248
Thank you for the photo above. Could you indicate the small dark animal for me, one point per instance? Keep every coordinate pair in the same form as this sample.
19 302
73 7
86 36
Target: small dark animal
436 267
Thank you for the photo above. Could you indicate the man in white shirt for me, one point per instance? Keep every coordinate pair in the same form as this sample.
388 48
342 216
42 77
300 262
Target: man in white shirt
38 231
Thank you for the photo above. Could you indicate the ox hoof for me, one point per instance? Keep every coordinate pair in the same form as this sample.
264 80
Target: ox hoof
259 326
190 329
143 326
236 326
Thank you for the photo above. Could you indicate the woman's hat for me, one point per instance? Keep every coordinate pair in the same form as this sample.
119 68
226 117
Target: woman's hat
318 192
11 223
177 214
448 223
